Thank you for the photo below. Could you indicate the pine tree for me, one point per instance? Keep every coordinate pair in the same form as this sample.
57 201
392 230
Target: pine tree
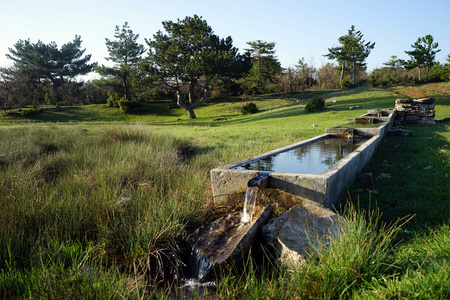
353 50
47 61
126 54
187 57
423 54
264 66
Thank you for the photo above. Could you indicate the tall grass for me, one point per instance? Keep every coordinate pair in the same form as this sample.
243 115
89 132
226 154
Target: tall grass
101 210
124 191
361 253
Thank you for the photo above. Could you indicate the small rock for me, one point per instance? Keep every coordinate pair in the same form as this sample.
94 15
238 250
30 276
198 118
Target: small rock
400 132
125 200
427 168
385 175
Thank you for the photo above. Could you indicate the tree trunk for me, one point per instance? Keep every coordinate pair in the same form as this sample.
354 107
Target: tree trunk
187 107
125 91
56 84
6 99
57 95
191 93
191 113
190 107
342 72
126 88
354 72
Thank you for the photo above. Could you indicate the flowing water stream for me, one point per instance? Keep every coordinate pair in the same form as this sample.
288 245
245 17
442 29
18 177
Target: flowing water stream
214 243
249 204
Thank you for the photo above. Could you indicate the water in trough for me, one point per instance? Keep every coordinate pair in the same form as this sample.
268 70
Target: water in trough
310 159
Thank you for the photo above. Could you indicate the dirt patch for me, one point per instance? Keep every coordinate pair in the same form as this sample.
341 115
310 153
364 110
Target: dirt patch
426 90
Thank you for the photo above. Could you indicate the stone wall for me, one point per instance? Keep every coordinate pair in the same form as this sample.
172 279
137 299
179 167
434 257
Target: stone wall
417 111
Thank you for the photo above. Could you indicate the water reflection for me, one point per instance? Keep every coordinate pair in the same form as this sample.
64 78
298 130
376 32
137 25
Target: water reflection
312 159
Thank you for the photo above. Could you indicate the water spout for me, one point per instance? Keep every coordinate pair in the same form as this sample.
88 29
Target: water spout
249 204
259 181
350 134
250 195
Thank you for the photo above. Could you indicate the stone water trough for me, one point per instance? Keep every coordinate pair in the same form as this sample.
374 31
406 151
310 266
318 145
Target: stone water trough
229 183
305 179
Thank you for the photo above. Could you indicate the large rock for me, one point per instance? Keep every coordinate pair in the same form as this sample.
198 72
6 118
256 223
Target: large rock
226 240
403 101
425 100
299 229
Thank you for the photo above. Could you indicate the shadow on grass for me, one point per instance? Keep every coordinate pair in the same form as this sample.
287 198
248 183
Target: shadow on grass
410 176
292 110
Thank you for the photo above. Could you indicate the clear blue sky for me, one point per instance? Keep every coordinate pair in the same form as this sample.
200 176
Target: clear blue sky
300 28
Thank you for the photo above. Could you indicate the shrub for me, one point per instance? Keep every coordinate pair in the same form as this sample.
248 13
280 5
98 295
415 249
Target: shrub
249 108
128 105
216 94
112 101
317 103
345 83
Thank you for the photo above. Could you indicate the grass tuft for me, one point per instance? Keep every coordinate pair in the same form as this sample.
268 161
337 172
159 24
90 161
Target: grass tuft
123 134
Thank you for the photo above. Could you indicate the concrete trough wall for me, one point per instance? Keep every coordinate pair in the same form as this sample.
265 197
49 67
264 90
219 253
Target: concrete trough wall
230 184
384 124
322 189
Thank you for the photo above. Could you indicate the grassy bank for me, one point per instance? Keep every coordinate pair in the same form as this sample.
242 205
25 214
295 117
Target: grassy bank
96 207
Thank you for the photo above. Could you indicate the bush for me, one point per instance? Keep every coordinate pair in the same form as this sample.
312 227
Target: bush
112 100
249 108
216 94
317 103
345 83
128 105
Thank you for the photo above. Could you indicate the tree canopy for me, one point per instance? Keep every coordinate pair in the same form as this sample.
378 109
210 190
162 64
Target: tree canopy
187 57
126 53
48 62
353 50
423 54
264 66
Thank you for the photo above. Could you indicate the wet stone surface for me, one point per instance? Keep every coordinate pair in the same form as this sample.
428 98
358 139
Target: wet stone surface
227 240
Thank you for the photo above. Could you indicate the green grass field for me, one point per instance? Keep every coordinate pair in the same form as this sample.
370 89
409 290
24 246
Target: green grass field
96 204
